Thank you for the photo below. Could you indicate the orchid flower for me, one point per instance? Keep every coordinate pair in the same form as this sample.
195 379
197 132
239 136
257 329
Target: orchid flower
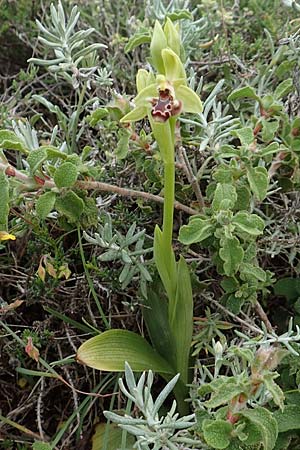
166 94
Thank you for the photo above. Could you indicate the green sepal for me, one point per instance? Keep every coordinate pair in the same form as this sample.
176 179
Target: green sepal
174 68
158 43
172 35
190 100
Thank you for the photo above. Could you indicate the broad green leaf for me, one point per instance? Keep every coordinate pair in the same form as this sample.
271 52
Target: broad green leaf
244 92
65 175
224 391
123 144
4 201
284 88
288 419
36 158
245 135
137 39
181 319
231 252
248 223
269 128
180 14
259 182
225 197
110 350
165 263
266 422
110 435
45 204
70 205
274 389
196 231
217 433
97 115
10 141
155 313
289 287
249 272
270 149
243 197
41 446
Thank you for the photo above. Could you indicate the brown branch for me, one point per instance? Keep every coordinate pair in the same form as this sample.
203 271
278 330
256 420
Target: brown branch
32 183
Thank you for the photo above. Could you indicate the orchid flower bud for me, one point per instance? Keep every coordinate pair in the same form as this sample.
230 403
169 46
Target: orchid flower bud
158 43
173 37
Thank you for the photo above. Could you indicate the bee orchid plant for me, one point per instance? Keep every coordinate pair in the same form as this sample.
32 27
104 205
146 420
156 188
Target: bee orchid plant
161 98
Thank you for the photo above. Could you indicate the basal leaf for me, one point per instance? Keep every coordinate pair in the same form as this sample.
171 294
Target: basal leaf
165 263
284 88
111 436
181 319
245 135
110 350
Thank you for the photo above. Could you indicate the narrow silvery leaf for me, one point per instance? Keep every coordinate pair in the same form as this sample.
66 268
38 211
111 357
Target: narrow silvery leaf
164 394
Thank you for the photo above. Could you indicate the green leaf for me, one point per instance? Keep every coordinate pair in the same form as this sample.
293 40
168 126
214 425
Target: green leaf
110 350
269 128
243 197
165 263
245 135
231 252
181 319
45 204
155 313
179 14
266 422
217 433
284 88
249 272
70 205
109 436
196 231
224 390
259 182
288 419
225 197
137 39
4 201
123 144
65 175
36 158
97 115
248 223
10 141
289 287
274 389
244 92
41 446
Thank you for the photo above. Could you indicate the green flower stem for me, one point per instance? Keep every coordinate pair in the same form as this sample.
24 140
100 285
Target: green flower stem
164 134
77 115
